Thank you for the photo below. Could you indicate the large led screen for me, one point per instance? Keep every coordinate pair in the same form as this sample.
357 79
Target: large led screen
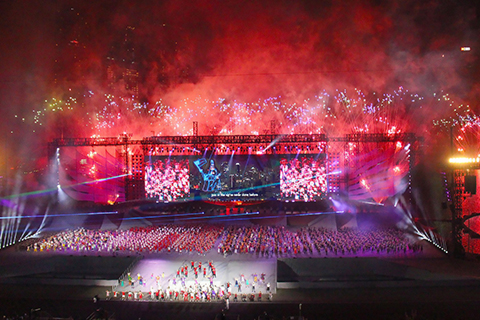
302 178
234 177
167 178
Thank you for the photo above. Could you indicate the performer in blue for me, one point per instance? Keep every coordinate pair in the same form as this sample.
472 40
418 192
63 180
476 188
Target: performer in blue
211 178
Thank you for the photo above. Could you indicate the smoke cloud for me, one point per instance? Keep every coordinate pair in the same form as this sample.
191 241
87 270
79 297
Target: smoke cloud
233 66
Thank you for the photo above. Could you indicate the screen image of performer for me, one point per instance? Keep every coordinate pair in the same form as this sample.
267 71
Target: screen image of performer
211 177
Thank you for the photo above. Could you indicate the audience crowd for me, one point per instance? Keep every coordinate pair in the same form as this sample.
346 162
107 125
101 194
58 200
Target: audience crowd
196 238
263 241
277 241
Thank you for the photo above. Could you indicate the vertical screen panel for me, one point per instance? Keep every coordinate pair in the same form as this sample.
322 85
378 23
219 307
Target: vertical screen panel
167 178
303 178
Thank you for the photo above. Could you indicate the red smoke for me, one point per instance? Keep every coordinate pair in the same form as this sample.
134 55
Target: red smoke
239 53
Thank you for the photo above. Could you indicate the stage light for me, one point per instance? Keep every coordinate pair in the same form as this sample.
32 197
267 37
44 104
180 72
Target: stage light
463 160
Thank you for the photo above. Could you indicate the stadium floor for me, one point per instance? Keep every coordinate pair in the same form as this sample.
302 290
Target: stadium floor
429 285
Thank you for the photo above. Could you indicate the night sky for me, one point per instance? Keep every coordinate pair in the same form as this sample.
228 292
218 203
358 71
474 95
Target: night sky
228 51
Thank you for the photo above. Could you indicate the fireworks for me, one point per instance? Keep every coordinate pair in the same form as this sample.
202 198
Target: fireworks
335 114
342 112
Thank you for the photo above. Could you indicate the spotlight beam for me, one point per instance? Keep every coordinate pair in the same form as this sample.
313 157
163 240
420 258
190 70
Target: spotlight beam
61 215
52 190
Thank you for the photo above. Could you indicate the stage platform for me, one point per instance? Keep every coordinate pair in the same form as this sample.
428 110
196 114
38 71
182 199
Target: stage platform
367 272
61 269
427 268
227 271
335 288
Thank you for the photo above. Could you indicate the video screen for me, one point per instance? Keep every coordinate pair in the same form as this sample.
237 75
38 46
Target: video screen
303 178
234 177
167 178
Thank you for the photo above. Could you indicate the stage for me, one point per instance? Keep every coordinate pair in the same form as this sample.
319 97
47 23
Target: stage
289 272
335 287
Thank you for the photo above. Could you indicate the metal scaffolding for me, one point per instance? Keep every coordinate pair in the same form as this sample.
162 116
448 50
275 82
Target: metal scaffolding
134 150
